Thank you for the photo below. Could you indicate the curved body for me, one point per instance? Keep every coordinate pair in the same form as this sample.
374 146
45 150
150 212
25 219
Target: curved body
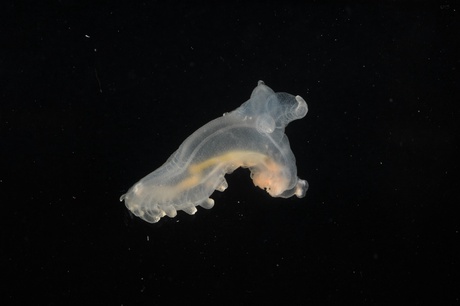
252 136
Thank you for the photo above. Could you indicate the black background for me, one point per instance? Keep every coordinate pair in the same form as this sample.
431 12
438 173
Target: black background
96 96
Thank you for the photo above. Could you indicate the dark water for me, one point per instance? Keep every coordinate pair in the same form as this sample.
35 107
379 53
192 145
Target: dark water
95 96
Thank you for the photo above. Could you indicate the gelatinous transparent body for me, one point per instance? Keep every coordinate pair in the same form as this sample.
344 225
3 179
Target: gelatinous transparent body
252 136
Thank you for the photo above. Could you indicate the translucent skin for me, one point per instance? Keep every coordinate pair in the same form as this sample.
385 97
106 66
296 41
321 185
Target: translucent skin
252 136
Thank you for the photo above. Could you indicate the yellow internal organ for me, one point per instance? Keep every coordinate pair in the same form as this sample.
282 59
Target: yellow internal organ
234 159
